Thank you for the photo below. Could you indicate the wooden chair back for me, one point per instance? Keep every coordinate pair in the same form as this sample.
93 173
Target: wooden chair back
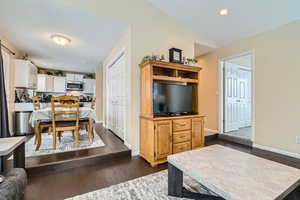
65 108
65 116
36 102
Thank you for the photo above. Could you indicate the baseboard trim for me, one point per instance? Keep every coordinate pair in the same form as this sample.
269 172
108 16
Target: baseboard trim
99 122
211 130
279 151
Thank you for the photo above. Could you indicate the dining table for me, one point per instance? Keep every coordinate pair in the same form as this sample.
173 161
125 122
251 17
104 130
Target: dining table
43 118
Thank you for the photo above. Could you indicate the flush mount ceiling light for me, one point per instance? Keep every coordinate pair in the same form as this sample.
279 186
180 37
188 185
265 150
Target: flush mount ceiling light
223 12
60 40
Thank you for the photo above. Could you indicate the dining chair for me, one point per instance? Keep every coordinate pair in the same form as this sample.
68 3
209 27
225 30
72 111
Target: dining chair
36 102
88 123
65 117
93 103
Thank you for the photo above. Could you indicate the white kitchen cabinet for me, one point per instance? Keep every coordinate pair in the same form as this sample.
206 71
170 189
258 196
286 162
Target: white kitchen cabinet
45 83
78 77
50 83
89 86
74 77
25 74
41 85
59 84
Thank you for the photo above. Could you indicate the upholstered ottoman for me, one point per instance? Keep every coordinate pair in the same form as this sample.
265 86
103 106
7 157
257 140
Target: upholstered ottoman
14 184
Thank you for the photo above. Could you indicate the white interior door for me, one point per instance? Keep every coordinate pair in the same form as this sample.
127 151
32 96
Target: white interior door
116 97
231 97
237 97
245 97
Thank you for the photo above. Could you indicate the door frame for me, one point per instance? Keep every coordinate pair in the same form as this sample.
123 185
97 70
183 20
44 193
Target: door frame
221 90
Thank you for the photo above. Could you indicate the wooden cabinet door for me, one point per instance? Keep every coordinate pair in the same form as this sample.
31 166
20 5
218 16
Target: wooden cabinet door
197 132
163 139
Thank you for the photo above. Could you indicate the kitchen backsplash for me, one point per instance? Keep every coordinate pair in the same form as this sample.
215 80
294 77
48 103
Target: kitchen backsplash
24 96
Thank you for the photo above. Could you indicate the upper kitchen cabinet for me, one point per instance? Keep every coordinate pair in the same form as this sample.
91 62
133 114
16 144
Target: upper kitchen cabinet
59 84
48 83
74 77
25 74
45 83
89 86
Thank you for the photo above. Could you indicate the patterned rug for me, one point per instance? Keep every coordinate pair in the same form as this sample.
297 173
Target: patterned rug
151 187
67 144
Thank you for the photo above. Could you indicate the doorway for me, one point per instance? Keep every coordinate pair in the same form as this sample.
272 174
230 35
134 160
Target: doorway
236 116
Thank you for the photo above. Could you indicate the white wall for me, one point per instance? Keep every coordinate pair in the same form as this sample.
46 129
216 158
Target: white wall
276 72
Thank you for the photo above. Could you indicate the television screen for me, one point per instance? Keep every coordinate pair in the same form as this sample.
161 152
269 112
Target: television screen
172 98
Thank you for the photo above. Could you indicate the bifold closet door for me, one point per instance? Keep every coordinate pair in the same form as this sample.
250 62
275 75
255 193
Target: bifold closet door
116 97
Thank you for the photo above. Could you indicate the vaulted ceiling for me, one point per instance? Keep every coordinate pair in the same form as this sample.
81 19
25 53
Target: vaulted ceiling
245 17
29 25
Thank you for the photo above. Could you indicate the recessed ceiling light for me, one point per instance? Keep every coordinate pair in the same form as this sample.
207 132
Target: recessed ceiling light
60 40
223 11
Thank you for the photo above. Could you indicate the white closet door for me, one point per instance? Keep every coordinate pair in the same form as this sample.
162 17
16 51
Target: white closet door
116 97
231 98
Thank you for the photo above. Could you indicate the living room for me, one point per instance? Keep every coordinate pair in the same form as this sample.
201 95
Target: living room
172 43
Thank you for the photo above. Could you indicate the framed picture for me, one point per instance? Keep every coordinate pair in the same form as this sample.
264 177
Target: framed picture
175 55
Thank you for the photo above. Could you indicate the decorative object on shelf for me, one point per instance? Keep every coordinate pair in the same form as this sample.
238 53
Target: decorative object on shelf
90 76
162 57
155 57
175 55
49 73
192 61
152 57
58 73
146 58
184 60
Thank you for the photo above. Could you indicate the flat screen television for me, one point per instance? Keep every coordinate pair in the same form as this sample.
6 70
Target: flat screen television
172 98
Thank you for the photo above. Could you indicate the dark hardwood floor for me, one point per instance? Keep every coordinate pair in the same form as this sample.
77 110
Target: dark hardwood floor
72 182
114 147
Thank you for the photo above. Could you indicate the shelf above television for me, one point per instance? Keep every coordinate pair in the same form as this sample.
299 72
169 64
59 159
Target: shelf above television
170 65
174 79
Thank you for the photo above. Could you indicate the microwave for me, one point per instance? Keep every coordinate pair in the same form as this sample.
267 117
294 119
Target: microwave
74 86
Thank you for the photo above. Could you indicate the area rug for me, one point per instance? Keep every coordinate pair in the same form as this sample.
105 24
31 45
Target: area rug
67 144
151 187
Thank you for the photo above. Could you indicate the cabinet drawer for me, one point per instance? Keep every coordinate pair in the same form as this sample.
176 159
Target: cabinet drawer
181 147
182 136
181 124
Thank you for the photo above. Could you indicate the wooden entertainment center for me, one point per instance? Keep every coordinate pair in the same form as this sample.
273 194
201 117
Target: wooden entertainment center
163 136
